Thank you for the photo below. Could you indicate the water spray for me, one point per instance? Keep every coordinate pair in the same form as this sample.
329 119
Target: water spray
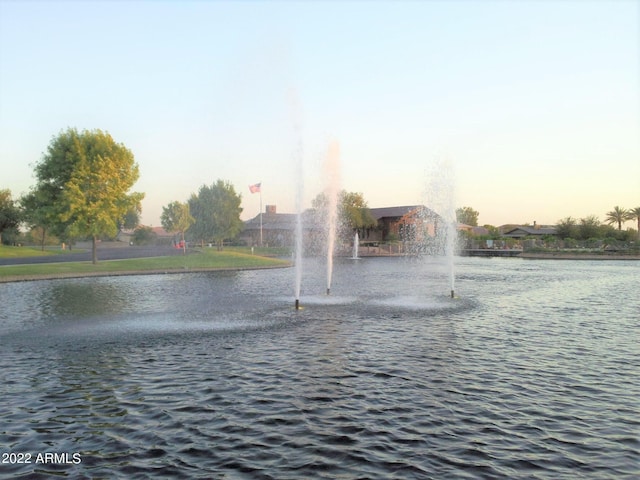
332 192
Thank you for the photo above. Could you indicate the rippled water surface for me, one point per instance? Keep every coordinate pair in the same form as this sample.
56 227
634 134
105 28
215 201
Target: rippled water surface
533 372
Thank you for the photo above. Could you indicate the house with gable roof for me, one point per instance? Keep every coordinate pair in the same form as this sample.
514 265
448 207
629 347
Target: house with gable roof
410 223
522 231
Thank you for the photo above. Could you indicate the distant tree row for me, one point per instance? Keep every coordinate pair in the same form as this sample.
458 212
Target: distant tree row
591 227
211 216
82 190
83 184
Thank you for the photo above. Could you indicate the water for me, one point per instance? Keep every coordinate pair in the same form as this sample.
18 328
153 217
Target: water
356 244
298 167
332 191
533 372
440 196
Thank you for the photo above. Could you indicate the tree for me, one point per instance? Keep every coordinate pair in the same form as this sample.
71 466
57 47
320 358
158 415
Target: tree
617 215
43 205
216 211
131 219
589 227
467 215
354 212
567 228
38 214
176 218
10 214
143 235
634 214
82 185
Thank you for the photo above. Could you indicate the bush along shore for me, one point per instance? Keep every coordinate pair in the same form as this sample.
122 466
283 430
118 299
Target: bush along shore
581 255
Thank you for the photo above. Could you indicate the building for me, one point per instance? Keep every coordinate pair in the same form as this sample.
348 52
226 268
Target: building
523 231
406 224
161 236
270 229
410 223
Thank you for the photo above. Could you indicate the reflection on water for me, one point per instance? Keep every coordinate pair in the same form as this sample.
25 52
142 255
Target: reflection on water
532 373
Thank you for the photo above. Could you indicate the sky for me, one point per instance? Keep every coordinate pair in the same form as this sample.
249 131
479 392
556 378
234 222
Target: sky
532 108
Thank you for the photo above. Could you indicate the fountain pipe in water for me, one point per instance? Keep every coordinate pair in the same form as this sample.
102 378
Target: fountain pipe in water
297 304
328 291
452 294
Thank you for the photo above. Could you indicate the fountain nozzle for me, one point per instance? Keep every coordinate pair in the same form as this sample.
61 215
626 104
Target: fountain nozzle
297 304
452 294
328 291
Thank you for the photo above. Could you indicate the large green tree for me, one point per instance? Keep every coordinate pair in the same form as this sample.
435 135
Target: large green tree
83 184
37 214
467 215
176 218
617 215
10 214
216 210
353 213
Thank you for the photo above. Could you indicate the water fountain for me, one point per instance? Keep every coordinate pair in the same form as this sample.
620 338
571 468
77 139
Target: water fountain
332 168
441 198
440 240
356 244
298 161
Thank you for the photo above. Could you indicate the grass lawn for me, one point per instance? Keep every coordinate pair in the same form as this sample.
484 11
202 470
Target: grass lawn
208 259
264 251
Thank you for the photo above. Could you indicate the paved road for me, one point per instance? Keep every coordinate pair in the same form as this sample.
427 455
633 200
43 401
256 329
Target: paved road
104 253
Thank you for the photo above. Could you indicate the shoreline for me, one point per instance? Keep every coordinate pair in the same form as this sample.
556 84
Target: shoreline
173 271
127 273
576 256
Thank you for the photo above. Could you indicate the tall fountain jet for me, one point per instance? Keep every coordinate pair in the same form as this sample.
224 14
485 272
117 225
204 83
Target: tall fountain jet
332 168
298 161
441 198
356 242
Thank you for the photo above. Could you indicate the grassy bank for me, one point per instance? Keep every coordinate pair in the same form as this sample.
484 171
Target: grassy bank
209 259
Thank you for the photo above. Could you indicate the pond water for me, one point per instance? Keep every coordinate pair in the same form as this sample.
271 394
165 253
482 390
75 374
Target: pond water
533 372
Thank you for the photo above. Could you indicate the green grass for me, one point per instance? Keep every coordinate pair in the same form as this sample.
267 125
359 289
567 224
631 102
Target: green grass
264 251
21 252
208 259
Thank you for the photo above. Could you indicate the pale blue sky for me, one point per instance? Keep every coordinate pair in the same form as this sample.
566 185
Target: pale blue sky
535 104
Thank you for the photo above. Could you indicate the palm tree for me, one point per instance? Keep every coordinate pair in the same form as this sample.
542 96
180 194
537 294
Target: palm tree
634 214
617 215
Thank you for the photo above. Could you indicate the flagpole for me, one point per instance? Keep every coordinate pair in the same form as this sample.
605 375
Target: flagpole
261 213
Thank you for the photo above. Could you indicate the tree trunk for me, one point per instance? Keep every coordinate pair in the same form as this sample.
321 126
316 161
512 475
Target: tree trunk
43 238
184 245
94 253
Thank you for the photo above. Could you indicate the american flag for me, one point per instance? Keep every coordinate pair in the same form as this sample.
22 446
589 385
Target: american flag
255 188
